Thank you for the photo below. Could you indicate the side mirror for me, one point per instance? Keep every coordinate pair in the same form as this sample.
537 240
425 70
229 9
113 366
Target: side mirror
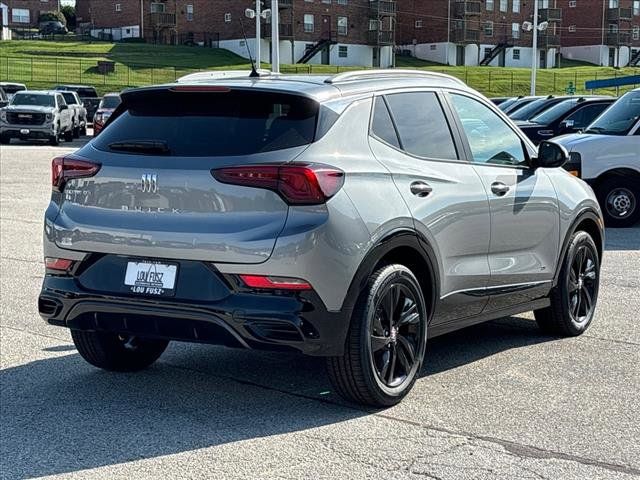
551 155
64 107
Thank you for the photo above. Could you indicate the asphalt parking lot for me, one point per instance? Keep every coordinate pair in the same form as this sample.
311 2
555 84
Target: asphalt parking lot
496 401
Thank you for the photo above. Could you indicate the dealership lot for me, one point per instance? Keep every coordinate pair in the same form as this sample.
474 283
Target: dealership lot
495 401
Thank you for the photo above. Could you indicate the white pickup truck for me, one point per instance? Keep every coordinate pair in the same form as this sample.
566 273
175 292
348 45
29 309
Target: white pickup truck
607 156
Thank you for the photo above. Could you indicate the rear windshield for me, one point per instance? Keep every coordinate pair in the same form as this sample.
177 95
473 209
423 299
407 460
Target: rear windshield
9 89
81 91
212 124
33 99
111 101
69 98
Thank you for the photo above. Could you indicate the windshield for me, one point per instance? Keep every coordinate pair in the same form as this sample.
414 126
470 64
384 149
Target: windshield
110 102
69 98
33 99
554 112
10 89
507 103
210 125
534 108
620 118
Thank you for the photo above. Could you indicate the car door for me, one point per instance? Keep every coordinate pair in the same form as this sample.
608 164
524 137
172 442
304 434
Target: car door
65 115
412 138
525 219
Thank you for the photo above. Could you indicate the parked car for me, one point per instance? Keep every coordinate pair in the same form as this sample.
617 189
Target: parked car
79 113
500 100
107 106
508 102
88 95
4 100
36 114
569 116
52 27
11 88
202 213
607 157
518 104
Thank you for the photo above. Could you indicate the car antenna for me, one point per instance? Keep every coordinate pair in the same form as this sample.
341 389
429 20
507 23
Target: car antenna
254 73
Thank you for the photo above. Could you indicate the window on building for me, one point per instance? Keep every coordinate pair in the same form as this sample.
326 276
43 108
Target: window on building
326 1
504 5
489 5
516 54
636 7
374 24
419 23
118 7
189 11
227 18
157 7
343 51
343 25
614 3
572 29
309 23
516 6
20 15
635 32
613 28
543 3
515 30
341 2
573 3
488 29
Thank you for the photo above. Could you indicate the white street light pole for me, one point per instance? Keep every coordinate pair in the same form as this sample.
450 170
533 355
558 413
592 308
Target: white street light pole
275 37
534 54
258 33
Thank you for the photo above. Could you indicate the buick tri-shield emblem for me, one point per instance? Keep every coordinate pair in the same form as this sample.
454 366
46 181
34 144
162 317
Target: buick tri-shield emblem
149 183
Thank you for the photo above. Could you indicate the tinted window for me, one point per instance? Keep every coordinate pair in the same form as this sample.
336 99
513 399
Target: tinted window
110 101
585 115
213 124
69 98
33 99
421 124
554 112
620 118
381 125
10 89
490 138
534 108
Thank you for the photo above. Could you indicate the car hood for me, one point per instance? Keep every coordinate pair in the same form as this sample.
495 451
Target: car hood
577 140
29 109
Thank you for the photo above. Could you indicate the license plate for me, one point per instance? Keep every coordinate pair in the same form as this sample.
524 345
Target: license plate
151 278
25 131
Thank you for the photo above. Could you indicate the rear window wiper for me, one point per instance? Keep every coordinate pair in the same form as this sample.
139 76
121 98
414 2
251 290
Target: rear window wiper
157 147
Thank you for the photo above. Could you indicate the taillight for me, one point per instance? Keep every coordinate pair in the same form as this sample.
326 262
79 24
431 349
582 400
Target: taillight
274 283
59 264
297 184
66 168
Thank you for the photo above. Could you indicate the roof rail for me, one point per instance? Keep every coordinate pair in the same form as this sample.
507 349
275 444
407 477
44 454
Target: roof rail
217 74
390 73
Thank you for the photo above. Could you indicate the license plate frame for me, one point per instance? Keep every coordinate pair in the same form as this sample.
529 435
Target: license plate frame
152 278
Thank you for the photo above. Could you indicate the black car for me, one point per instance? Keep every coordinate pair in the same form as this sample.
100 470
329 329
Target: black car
569 116
87 94
521 102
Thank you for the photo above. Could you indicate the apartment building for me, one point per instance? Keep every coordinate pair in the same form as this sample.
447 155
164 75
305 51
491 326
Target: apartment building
479 32
603 32
25 13
336 32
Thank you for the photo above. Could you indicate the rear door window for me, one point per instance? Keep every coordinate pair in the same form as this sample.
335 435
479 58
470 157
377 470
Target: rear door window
381 124
422 125
213 124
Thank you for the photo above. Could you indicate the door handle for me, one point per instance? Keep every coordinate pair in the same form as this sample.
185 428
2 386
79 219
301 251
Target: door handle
499 188
421 189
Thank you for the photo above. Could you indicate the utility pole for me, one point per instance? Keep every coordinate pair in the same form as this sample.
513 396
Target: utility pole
275 37
534 54
258 32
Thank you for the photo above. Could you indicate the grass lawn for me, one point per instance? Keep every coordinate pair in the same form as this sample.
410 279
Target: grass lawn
42 64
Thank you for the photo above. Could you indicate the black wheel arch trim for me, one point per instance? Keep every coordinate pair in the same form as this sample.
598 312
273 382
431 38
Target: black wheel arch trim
587 213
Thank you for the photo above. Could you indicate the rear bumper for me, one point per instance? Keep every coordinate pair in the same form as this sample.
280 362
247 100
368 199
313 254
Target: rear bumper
240 318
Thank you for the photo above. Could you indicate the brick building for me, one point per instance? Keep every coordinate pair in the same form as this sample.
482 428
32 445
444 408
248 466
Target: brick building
338 32
604 32
25 13
479 32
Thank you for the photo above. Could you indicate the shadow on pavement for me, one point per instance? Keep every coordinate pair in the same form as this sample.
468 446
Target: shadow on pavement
60 415
622 238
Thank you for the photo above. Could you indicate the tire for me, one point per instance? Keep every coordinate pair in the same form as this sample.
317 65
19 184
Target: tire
54 140
68 135
76 132
376 349
116 353
620 201
574 299
4 140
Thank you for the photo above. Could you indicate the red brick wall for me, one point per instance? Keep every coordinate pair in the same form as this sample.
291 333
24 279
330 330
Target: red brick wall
589 17
34 7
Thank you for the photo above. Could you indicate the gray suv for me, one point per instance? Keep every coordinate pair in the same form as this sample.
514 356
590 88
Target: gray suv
351 217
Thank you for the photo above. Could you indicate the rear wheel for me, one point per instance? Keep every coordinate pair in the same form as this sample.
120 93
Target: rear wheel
76 132
5 140
68 135
54 139
386 343
620 200
573 300
119 353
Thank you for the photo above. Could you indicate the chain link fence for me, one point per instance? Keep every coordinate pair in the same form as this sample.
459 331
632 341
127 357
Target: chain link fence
111 76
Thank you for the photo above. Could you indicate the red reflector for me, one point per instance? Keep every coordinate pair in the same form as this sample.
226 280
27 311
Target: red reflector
200 88
273 283
69 167
297 184
61 264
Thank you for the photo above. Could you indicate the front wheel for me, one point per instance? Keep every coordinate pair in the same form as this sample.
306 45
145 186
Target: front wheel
620 200
54 140
573 300
387 340
5 140
115 352
68 135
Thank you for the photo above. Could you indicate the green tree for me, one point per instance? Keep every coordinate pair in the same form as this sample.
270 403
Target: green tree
52 17
69 12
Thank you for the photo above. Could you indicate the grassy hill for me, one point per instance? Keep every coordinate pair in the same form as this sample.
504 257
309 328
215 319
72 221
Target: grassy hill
41 64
